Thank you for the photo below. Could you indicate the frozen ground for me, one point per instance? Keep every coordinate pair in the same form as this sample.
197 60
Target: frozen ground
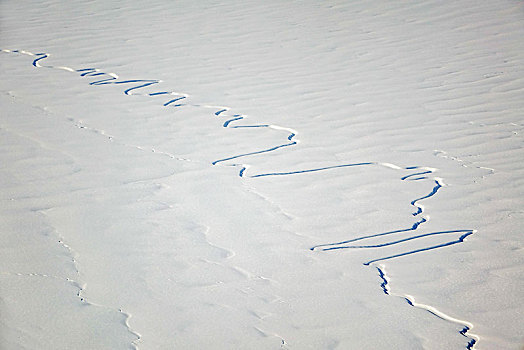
254 175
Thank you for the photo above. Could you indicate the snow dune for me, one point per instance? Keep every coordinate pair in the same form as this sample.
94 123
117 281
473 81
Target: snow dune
222 175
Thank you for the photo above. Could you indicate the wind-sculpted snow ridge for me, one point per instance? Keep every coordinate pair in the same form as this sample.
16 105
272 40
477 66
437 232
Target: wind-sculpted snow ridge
175 99
466 326
80 286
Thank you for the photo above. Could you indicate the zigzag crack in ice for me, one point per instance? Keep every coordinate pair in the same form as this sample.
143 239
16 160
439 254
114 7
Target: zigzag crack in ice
144 83
438 184
385 283
467 326
221 111
421 173
433 192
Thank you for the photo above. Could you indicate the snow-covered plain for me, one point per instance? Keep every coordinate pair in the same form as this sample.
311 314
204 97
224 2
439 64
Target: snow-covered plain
261 175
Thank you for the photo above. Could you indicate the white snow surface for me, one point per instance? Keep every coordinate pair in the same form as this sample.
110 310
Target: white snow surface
261 174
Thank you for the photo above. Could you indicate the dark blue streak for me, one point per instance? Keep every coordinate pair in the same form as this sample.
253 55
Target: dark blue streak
395 242
241 173
159 93
250 126
86 71
471 342
460 240
231 120
146 83
43 56
138 87
311 170
432 193
173 100
93 74
384 283
253 153
103 81
412 228
421 173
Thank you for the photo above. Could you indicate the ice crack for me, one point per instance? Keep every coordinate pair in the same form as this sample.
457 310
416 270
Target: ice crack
466 326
